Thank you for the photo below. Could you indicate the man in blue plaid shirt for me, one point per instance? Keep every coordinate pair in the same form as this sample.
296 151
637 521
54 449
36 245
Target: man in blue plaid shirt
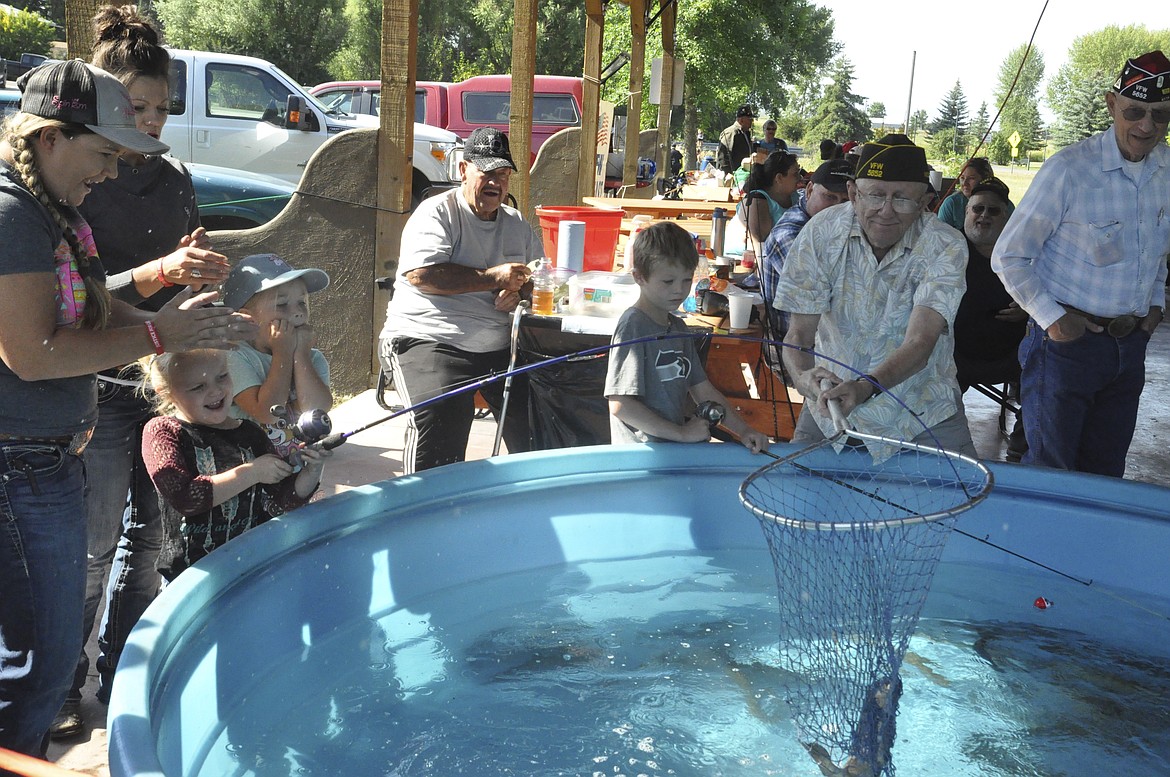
1085 255
827 187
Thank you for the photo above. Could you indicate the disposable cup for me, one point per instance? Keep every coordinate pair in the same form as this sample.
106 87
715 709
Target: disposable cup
739 308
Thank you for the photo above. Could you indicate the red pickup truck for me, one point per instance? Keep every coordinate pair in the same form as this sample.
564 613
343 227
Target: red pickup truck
481 101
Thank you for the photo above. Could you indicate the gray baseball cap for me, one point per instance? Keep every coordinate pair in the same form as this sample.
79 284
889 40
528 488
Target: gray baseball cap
79 93
260 272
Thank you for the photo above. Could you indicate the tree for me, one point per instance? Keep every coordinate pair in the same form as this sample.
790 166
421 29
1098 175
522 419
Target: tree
1094 60
877 110
360 56
299 36
980 123
952 113
22 31
1019 112
790 41
918 122
839 114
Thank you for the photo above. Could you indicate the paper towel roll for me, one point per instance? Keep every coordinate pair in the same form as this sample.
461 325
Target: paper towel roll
571 245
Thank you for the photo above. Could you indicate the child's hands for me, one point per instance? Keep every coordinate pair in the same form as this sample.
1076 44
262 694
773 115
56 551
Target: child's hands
754 441
282 338
270 468
314 458
306 339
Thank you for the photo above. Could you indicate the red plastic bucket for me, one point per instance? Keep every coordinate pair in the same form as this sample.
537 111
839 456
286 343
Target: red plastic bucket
602 226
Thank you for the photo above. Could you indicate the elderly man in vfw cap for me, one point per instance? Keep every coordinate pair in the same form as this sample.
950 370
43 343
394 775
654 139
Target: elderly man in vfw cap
735 142
875 286
828 186
464 260
1085 255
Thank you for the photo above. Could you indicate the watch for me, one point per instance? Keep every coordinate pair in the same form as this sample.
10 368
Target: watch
871 381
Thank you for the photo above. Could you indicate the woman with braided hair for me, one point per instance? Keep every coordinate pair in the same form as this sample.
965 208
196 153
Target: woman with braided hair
60 326
146 227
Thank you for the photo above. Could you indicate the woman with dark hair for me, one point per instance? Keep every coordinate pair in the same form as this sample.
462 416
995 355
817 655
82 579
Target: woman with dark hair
60 327
146 228
770 190
954 208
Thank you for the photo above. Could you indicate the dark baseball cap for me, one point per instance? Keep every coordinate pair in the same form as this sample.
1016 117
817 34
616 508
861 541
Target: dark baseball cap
747 109
78 93
833 175
487 148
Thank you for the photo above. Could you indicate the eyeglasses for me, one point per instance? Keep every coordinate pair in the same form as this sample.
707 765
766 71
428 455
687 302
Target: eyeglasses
1159 115
990 210
877 202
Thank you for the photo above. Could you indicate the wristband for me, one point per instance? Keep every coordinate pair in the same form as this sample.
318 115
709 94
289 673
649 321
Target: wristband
873 384
162 278
155 340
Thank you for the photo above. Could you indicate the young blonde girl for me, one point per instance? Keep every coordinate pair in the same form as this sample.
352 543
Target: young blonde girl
218 476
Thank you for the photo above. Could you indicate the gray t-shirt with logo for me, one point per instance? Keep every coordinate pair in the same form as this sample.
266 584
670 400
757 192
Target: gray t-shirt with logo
659 372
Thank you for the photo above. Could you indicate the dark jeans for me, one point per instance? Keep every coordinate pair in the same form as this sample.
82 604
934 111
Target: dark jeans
437 434
1080 399
42 587
124 539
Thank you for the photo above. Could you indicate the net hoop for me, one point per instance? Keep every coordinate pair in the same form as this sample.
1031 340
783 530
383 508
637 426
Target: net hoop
975 484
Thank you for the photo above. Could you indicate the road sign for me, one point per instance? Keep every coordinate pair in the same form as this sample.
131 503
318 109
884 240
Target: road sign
1014 139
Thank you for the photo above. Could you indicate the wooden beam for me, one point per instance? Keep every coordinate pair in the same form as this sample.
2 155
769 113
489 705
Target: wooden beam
395 142
634 104
524 18
667 19
591 96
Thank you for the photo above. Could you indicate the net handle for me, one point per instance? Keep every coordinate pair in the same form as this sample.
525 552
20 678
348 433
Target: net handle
834 407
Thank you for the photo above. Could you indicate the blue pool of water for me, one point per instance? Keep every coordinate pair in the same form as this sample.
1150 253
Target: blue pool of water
613 612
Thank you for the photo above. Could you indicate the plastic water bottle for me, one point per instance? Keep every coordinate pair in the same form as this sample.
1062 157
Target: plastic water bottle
544 286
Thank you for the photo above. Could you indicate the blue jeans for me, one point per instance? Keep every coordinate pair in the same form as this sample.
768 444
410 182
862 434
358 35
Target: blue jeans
42 587
124 538
1080 399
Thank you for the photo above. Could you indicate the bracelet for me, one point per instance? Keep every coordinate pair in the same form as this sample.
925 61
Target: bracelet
162 278
155 340
873 384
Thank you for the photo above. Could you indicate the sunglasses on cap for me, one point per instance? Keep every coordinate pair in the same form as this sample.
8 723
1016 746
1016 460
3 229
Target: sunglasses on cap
1159 115
991 210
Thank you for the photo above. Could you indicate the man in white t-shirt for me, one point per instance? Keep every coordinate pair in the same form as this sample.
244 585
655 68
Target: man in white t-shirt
464 260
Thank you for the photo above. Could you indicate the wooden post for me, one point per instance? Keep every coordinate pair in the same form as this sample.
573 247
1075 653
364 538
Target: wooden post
78 28
395 142
591 96
524 17
665 96
634 104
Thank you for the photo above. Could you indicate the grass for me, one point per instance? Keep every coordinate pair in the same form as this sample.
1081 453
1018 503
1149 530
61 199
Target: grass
1018 179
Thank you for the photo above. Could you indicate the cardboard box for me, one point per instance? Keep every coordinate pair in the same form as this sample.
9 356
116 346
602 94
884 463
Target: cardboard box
706 193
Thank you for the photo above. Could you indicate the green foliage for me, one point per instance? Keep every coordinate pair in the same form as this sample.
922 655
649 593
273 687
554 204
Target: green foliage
877 109
999 151
1020 113
918 122
979 124
839 115
943 147
22 32
952 113
360 56
735 50
1076 92
298 36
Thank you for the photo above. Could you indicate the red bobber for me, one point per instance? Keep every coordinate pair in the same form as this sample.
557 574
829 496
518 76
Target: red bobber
1041 603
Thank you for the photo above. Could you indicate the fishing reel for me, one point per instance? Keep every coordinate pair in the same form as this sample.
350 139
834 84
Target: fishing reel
711 412
309 428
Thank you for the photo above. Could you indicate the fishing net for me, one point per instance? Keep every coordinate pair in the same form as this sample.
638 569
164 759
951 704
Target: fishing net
854 545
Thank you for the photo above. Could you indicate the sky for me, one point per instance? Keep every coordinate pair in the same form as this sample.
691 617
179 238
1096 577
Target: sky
963 41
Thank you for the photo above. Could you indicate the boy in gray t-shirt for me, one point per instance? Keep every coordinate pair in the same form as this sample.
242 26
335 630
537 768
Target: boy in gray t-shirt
648 382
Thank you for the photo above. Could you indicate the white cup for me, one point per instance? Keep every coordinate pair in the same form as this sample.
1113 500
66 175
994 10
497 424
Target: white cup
739 307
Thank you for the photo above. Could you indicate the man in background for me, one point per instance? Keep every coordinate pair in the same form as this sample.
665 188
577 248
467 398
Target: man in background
1085 256
735 142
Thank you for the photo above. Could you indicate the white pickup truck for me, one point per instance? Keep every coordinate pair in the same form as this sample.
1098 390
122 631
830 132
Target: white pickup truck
245 113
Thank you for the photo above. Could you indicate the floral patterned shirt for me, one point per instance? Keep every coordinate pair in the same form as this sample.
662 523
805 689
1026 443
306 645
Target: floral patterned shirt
865 307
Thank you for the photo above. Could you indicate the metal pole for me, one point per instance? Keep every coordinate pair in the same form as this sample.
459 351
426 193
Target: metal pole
910 95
